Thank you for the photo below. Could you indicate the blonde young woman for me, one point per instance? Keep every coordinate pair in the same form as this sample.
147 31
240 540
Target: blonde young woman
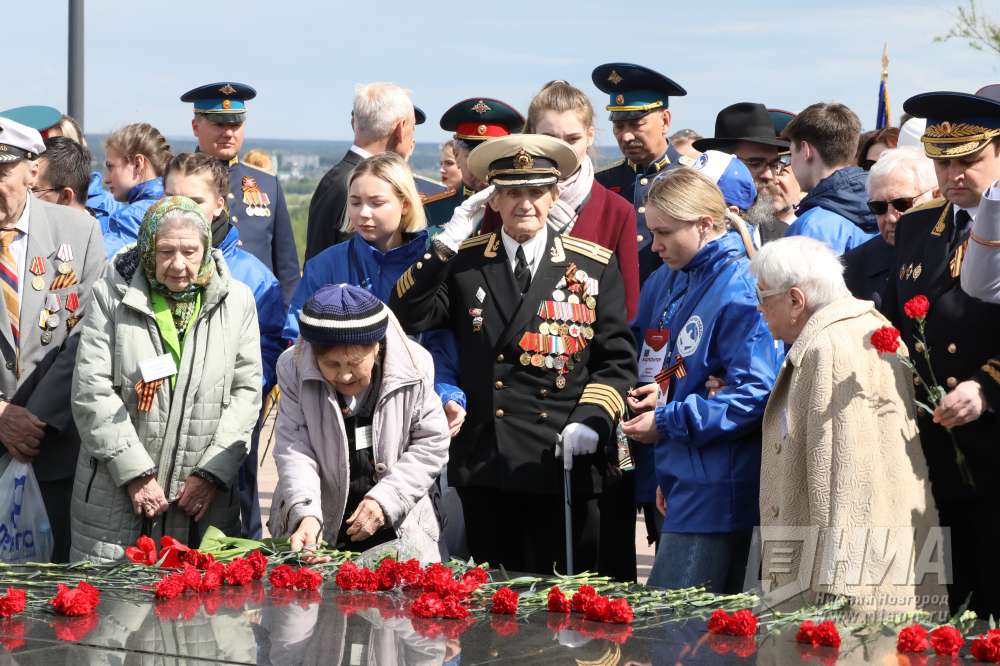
698 319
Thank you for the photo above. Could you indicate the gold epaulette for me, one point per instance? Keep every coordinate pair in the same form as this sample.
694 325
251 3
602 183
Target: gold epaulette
431 198
604 396
475 241
933 203
588 249
606 167
404 282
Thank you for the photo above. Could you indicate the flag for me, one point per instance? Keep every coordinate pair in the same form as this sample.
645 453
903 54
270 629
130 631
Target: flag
883 116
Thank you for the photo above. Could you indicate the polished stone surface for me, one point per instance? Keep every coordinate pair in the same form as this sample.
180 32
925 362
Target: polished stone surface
253 625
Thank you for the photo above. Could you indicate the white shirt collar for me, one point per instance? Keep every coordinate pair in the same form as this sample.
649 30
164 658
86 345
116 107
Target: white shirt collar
22 222
360 151
534 248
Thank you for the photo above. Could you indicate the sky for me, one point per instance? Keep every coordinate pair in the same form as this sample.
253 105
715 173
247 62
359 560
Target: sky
304 57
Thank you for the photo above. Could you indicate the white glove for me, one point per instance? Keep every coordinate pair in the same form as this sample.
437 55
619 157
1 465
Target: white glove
577 440
464 220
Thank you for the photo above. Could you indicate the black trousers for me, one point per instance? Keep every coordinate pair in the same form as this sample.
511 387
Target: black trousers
57 496
973 526
526 532
249 499
618 514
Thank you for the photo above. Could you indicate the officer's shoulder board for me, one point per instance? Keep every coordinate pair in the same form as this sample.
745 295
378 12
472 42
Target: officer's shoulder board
475 241
257 172
591 250
439 196
933 203
609 167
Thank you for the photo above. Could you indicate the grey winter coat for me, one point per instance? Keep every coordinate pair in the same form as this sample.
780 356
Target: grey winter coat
203 423
410 445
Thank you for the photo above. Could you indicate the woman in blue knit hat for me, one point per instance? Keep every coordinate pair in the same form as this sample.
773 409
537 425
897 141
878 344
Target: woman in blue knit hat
361 435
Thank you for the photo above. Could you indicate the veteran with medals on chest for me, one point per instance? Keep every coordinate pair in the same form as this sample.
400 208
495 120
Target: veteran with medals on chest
545 354
960 333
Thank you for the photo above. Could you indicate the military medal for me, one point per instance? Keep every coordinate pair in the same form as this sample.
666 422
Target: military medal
255 200
537 360
52 321
72 301
588 333
917 270
43 318
65 254
591 302
477 319
560 382
548 362
543 328
37 266
52 303
525 358
46 337
558 296
38 283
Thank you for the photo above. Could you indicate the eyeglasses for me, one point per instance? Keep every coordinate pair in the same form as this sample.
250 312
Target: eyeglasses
901 204
767 293
777 165
47 189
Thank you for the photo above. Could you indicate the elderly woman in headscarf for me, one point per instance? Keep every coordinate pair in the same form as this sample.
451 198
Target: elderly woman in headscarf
166 391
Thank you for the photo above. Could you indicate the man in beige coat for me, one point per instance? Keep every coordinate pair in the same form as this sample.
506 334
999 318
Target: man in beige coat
846 507
50 256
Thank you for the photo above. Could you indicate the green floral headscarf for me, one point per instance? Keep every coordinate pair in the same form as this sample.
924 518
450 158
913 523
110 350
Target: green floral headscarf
147 247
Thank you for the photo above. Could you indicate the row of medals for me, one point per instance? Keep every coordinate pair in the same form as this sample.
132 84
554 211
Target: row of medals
575 281
48 320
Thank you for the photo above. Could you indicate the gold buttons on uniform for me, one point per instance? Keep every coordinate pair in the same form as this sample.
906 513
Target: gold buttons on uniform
638 238
951 382
420 265
544 393
499 413
499 358
542 416
643 181
642 210
952 348
427 256
499 384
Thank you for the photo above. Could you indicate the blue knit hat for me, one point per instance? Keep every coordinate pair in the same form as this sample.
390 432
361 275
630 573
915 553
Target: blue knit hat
342 314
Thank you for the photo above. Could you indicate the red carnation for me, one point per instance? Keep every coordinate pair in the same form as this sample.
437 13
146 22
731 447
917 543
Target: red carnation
81 600
557 602
387 574
170 586
743 623
172 552
143 552
583 598
428 604
258 562
987 647
453 609
917 307
238 571
307 579
13 602
598 609
211 579
620 612
822 634
912 639
886 340
409 571
504 602
191 577
346 578
367 580
947 640
719 622
283 576
477 575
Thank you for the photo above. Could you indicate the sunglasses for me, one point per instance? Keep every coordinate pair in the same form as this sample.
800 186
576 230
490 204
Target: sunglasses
777 165
901 205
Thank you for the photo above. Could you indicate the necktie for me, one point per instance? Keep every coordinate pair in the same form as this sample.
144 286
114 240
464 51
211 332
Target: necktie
9 278
522 275
962 219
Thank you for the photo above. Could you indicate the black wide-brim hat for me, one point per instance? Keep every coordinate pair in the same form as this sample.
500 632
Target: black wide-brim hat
743 121
958 124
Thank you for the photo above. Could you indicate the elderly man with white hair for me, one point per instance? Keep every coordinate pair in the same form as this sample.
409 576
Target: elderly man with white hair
840 448
902 179
383 120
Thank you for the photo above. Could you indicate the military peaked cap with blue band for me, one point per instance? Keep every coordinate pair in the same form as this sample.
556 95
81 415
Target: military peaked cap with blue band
958 124
419 117
635 90
780 119
222 102
480 118
35 117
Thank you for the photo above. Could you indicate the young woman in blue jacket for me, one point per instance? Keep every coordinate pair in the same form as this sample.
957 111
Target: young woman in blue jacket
136 157
698 321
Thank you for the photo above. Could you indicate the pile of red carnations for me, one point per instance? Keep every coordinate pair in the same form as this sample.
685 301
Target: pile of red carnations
594 607
741 623
69 601
947 641
199 572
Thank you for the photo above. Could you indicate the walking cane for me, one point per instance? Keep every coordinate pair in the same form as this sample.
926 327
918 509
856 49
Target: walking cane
567 502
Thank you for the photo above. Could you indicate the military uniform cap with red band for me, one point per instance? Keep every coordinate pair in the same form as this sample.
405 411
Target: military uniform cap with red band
478 119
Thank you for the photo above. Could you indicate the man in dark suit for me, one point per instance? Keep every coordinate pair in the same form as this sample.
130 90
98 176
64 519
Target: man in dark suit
383 119
963 139
640 122
50 256
901 179
256 200
545 355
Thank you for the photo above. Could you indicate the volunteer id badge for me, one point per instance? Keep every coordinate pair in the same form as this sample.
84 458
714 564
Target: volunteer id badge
654 352
158 367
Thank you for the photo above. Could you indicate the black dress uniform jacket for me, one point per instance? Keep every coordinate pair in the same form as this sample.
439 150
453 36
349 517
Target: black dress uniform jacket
516 411
963 335
268 237
867 268
627 179
326 209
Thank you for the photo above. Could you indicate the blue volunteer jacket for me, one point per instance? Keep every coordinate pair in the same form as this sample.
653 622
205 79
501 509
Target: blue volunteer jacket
100 202
249 270
357 262
836 211
123 224
707 457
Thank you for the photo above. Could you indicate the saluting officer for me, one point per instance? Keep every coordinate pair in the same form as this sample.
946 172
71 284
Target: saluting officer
640 121
256 200
544 352
963 139
473 121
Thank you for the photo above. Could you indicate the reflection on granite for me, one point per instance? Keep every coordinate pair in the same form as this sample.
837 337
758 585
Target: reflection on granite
255 625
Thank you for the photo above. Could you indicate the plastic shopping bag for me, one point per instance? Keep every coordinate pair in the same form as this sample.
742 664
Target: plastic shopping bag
25 533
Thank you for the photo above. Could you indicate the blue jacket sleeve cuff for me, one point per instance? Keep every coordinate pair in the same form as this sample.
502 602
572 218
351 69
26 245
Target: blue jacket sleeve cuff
449 392
664 421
